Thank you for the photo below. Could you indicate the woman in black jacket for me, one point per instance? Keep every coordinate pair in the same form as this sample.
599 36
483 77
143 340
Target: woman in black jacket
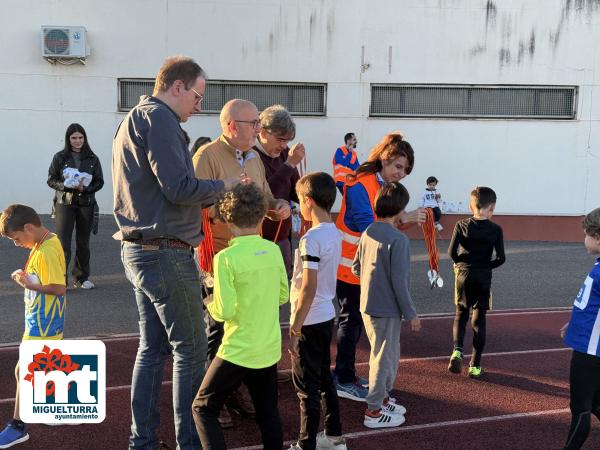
74 206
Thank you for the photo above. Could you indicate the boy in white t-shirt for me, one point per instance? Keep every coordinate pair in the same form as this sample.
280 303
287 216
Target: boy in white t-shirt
312 314
431 199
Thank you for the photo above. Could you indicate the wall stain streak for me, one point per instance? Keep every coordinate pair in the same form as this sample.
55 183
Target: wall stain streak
490 13
330 28
528 41
578 7
504 57
531 46
312 25
476 50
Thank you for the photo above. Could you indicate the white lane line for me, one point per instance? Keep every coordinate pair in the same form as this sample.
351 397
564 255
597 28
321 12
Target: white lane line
432 316
402 361
108 389
434 425
491 313
111 338
465 356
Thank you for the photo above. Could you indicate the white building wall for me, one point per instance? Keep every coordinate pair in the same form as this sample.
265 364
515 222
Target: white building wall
536 166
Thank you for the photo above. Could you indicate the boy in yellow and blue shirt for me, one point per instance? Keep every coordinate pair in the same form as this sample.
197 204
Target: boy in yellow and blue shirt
44 280
247 300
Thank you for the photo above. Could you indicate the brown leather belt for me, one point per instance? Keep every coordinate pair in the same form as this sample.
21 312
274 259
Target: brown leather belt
161 243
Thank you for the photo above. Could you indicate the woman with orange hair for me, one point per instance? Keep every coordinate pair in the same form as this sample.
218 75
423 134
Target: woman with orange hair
391 159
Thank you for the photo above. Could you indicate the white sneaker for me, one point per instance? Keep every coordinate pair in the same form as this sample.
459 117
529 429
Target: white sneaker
87 284
393 408
325 442
439 226
382 419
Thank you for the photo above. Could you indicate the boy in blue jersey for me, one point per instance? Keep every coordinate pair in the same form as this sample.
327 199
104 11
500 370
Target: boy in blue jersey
582 334
44 280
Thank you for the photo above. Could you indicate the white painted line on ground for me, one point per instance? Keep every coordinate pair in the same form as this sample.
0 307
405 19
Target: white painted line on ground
465 356
361 364
434 425
284 325
111 337
491 313
108 389
452 423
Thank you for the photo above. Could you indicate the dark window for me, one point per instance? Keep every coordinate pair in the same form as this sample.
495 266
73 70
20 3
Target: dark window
301 99
473 101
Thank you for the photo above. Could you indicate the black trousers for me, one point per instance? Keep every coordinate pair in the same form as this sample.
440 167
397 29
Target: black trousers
312 378
437 214
478 322
585 397
214 332
350 326
221 379
81 219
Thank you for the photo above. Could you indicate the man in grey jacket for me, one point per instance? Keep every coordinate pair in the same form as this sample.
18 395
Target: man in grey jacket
157 206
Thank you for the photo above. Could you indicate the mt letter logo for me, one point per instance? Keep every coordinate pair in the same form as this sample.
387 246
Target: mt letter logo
62 381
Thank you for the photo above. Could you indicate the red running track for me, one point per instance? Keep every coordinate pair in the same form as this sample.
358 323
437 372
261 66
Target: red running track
522 403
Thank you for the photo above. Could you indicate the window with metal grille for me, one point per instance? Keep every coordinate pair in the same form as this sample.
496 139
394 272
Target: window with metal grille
473 101
300 99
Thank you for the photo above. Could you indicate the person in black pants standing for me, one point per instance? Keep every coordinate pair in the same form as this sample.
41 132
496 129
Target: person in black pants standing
474 241
74 206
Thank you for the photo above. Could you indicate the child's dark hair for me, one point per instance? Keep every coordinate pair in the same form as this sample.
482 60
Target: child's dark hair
391 199
484 197
432 180
244 206
319 186
15 217
591 223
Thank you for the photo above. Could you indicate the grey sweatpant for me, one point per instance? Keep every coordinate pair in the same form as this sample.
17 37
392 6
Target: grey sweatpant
384 338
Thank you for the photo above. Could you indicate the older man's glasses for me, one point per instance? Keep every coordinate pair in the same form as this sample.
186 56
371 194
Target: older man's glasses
199 97
255 123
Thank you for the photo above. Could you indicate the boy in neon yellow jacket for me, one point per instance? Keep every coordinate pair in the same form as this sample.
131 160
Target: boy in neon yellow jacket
247 300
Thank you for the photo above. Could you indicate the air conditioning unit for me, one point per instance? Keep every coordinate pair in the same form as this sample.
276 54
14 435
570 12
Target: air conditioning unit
64 42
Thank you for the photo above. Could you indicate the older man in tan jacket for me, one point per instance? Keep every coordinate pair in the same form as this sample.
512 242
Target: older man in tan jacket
231 155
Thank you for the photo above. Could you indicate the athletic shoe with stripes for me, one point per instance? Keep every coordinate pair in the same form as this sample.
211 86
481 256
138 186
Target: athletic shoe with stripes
351 391
382 419
390 405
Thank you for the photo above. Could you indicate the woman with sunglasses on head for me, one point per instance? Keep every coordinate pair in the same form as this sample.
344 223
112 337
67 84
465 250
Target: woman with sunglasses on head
76 175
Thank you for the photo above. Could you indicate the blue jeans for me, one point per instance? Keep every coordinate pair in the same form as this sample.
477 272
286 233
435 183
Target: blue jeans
168 295
350 325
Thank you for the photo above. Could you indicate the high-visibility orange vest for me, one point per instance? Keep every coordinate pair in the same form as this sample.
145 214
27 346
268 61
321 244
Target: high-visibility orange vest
350 238
340 172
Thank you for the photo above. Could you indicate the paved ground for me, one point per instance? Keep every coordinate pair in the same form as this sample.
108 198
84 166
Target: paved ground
521 402
536 274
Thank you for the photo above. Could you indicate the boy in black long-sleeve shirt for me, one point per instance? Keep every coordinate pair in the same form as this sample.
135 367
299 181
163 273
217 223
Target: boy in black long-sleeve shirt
473 242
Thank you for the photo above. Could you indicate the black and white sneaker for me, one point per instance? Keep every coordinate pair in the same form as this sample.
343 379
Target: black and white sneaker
382 419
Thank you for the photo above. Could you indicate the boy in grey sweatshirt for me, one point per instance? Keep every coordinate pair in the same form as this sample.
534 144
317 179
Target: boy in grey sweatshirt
382 262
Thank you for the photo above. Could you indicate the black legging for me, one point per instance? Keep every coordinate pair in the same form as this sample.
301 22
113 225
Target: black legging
585 397
461 318
80 218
